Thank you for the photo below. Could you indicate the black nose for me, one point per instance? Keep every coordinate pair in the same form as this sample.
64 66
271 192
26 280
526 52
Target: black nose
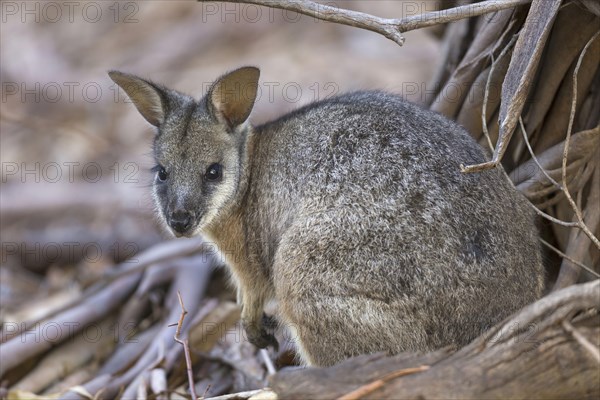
180 220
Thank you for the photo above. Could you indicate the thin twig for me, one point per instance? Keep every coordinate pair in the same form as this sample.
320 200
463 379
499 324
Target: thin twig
535 159
490 144
186 348
565 188
240 395
388 27
563 255
593 350
268 363
206 390
373 386
537 210
487 91
553 219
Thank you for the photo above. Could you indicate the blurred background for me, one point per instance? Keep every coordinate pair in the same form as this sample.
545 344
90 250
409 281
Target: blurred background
75 153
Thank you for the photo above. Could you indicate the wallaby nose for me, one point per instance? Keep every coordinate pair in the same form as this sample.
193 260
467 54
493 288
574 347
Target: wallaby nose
180 220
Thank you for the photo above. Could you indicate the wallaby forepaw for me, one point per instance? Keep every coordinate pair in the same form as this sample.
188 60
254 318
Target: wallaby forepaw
258 336
264 340
269 322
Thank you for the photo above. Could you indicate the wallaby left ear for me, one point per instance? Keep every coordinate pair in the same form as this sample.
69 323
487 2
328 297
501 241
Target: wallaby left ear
147 97
232 96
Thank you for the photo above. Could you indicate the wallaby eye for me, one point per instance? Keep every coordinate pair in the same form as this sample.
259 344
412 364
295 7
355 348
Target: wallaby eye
161 174
213 172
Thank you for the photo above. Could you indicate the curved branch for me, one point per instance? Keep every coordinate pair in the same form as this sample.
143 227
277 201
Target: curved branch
565 188
388 27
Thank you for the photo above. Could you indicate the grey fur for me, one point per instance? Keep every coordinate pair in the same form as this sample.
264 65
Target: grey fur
353 214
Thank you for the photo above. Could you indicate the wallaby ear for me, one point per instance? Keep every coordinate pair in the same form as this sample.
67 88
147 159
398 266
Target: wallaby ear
232 96
148 98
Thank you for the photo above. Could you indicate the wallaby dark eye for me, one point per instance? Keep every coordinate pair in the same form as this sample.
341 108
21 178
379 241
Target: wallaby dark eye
213 172
161 174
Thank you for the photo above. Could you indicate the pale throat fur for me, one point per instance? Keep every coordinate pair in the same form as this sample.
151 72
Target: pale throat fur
229 227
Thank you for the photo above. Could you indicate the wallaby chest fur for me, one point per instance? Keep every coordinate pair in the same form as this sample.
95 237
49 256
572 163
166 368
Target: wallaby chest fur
352 213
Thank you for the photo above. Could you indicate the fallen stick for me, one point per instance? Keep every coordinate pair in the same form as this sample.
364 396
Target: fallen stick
159 253
66 324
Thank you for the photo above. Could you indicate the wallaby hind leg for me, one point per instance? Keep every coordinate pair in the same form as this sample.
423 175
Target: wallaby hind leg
325 342
327 330
331 319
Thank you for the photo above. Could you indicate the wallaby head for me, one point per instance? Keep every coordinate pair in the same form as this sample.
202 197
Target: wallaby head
199 148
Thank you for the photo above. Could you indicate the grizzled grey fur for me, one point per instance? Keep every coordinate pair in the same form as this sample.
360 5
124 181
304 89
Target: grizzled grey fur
351 212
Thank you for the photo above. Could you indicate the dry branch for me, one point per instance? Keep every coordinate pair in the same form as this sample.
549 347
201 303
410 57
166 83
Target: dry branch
373 386
565 187
539 176
578 246
157 254
192 281
22 347
205 331
72 356
572 30
566 257
519 77
493 36
390 28
503 56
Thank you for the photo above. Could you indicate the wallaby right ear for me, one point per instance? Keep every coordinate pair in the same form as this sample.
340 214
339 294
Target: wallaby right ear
232 96
148 98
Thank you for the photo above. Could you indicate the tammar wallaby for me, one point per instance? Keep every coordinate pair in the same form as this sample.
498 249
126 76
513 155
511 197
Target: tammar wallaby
352 213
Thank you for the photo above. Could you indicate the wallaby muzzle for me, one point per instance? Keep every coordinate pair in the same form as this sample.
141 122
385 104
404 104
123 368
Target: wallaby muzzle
181 221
